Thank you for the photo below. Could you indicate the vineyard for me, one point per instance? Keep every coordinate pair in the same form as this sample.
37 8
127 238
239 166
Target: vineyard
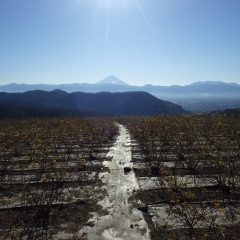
172 178
188 172
49 175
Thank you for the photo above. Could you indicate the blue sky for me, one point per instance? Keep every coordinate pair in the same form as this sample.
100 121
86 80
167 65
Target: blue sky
160 42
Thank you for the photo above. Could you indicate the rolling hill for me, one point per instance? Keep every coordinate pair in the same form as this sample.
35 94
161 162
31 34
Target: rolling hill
60 103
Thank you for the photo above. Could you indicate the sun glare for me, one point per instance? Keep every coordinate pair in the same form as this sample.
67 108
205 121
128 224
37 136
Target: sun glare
114 8
108 4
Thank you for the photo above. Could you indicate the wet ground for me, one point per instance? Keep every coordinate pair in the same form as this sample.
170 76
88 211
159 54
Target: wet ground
122 222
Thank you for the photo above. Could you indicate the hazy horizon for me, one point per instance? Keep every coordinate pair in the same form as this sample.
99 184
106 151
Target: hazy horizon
159 42
96 82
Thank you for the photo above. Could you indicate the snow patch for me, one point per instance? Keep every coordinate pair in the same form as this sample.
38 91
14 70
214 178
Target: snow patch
122 221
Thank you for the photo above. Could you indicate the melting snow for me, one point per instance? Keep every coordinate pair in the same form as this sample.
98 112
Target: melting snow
122 221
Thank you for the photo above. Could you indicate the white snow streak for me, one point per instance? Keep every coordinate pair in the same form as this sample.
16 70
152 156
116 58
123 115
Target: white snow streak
122 222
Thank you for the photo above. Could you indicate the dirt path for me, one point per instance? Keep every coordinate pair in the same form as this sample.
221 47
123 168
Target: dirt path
123 222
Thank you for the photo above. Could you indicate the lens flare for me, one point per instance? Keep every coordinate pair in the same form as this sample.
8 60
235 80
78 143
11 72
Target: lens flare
112 8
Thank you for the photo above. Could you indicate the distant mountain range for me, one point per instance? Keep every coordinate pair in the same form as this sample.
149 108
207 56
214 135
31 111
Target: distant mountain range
59 103
196 97
113 84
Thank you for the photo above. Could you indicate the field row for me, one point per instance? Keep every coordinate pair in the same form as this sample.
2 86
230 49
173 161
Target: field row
49 175
188 170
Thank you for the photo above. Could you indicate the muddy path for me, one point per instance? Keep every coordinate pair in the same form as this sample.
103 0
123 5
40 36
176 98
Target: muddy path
122 220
